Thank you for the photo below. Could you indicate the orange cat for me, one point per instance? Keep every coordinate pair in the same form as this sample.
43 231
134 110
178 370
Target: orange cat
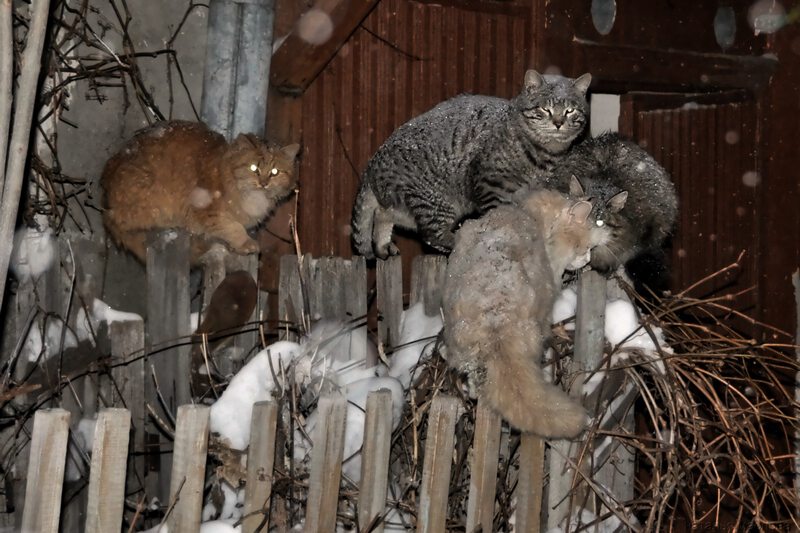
182 175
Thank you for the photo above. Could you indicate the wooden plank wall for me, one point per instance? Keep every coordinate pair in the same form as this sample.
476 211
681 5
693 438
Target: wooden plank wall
405 58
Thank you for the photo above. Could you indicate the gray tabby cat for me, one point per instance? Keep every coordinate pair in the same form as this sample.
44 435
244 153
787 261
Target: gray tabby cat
465 156
501 283
607 165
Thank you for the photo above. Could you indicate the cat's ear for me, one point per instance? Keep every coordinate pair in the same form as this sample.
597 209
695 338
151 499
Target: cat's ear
291 150
580 211
245 141
617 202
582 83
533 80
575 187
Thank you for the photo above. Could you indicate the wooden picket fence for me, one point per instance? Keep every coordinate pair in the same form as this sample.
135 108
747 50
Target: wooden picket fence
127 441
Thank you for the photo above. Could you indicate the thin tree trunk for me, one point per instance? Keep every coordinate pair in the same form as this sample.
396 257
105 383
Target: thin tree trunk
20 136
6 77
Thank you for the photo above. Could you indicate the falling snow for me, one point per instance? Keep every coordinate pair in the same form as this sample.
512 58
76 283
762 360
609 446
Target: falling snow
751 178
200 198
315 26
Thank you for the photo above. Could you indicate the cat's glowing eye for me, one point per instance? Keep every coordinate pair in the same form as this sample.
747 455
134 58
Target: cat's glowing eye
274 171
568 110
253 167
600 223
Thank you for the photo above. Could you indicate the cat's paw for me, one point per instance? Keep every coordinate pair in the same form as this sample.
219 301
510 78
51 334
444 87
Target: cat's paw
387 250
444 242
250 246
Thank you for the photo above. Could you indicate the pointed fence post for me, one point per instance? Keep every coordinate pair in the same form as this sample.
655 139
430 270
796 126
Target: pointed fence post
46 471
439 445
260 462
589 343
375 461
326 464
389 284
483 473
530 488
188 469
107 475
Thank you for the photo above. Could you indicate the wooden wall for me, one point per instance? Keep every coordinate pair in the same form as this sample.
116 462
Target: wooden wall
406 56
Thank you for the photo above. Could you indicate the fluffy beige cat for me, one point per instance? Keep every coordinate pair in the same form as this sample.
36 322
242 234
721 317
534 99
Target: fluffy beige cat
182 175
502 280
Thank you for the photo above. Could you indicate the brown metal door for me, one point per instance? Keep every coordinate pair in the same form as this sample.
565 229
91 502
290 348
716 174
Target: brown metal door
708 143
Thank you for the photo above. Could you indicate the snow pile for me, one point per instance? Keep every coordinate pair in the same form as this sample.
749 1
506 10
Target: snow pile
356 394
625 333
87 324
34 252
417 339
564 307
231 414
331 357
80 447
45 340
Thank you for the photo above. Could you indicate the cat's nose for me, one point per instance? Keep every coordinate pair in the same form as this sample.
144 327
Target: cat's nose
558 122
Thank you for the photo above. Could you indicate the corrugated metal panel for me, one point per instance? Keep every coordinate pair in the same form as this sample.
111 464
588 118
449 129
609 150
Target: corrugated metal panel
405 58
710 152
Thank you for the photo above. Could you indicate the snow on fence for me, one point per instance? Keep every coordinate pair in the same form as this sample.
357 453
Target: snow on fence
153 388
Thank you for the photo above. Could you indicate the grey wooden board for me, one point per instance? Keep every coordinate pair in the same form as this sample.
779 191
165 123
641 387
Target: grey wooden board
589 344
439 445
107 477
326 464
246 341
375 458
389 283
427 279
590 320
530 488
188 470
127 346
167 325
290 297
46 471
483 471
260 462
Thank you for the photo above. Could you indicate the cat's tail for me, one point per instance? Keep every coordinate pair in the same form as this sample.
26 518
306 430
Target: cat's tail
363 219
516 388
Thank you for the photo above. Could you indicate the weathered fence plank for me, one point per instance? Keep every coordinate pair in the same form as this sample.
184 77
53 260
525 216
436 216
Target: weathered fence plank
483 471
107 475
326 464
290 297
188 469
338 290
245 341
589 343
389 286
375 459
168 312
436 465
48 452
260 461
127 345
530 488
427 279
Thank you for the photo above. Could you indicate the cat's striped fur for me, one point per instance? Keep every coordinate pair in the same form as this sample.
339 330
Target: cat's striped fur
464 156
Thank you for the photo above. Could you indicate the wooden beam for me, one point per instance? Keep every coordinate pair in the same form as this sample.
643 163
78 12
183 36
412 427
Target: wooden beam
621 67
306 51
